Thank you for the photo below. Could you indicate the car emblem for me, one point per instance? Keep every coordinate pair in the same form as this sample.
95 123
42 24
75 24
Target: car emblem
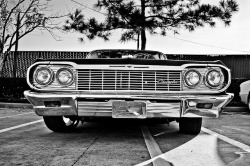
129 66
168 82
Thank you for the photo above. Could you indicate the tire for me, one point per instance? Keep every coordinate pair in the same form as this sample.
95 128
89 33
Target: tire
190 125
60 123
248 103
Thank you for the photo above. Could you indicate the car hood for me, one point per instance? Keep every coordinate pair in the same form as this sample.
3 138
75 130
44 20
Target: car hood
132 61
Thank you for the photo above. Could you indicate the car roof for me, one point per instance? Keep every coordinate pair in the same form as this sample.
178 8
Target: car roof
128 50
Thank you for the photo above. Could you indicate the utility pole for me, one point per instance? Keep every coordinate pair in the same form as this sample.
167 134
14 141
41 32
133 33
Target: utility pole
16 45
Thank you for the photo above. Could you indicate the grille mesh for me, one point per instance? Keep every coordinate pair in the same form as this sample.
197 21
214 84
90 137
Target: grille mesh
142 80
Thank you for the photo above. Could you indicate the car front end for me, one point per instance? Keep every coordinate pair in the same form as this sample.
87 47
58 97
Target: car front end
129 88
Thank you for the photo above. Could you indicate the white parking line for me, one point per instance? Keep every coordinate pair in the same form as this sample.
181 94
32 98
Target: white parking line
201 150
153 148
228 140
19 126
10 116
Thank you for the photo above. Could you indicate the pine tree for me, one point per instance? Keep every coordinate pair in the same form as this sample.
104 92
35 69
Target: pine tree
154 16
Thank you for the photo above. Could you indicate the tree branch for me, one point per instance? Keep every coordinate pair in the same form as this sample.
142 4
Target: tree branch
7 20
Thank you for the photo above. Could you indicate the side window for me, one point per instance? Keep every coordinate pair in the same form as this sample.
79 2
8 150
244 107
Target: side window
93 55
163 56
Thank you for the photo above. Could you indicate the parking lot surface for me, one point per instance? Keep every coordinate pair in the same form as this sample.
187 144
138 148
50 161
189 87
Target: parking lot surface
25 140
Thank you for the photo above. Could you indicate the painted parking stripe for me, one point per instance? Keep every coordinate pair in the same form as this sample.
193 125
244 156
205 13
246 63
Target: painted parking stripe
19 126
153 148
228 140
10 116
201 150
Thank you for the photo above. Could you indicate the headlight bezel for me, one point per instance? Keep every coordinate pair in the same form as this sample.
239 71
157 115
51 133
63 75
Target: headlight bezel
66 84
39 69
187 83
207 82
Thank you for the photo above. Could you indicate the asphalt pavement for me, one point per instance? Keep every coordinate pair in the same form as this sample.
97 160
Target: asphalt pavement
25 140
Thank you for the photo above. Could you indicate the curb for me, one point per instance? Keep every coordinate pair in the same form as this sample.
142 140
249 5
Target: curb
29 106
16 105
235 109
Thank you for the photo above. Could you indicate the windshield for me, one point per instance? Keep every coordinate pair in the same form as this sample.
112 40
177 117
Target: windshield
101 54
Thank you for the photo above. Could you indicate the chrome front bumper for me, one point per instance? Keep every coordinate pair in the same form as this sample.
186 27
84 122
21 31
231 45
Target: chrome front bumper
168 105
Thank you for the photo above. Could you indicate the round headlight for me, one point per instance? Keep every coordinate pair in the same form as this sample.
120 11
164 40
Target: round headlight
65 76
43 76
214 78
192 78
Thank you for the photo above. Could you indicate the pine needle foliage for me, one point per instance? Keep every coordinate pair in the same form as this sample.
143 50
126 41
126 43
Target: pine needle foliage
135 17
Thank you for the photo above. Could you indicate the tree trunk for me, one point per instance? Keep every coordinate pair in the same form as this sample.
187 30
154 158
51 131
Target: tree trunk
2 57
143 31
143 39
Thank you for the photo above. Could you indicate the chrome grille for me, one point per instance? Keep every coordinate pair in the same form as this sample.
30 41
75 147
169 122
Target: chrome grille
141 80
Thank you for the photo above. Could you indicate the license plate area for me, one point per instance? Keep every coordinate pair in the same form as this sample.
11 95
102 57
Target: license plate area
129 109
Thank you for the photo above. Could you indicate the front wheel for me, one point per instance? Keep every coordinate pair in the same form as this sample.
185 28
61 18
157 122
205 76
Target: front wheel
60 123
248 103
190 125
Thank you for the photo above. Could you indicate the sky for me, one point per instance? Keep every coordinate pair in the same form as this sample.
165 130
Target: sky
220 40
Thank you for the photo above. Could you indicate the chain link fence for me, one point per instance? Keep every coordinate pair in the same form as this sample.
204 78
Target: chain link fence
17 67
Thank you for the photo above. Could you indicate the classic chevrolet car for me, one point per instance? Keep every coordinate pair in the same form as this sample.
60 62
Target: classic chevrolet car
130 84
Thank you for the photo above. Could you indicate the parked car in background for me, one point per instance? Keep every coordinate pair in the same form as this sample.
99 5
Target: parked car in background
128 84
245 93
